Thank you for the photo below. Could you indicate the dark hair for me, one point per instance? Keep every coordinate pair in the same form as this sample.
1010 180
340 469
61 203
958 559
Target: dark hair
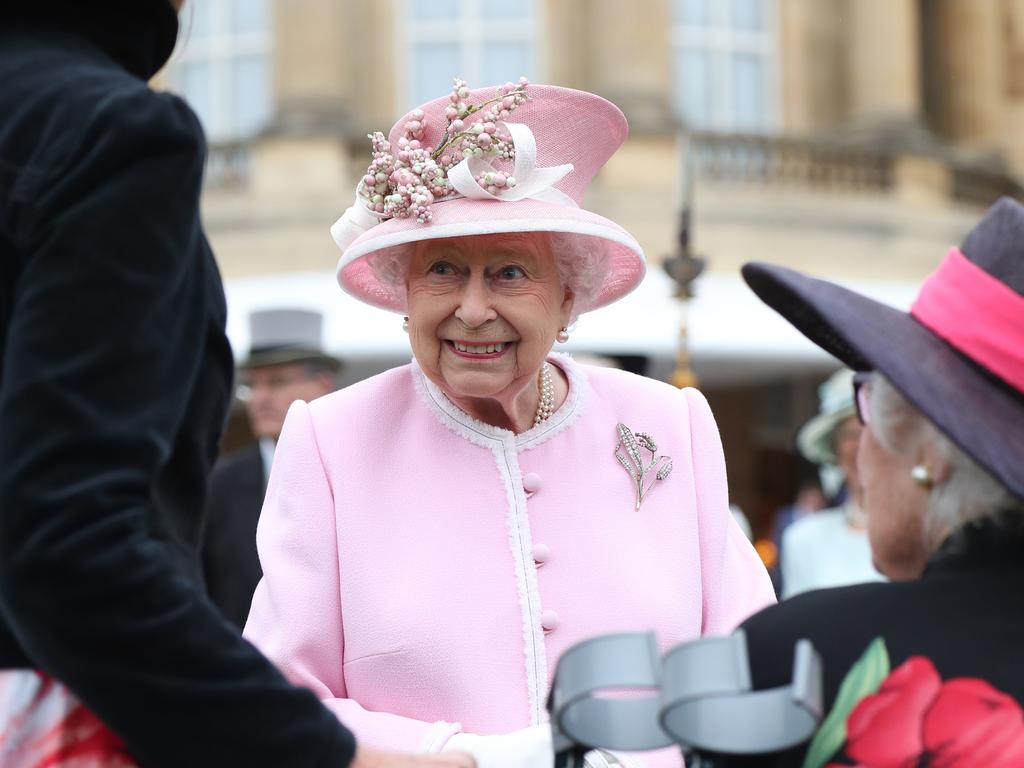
321 365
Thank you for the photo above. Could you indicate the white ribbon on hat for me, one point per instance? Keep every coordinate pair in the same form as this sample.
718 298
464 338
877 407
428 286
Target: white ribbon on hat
531 182
356 220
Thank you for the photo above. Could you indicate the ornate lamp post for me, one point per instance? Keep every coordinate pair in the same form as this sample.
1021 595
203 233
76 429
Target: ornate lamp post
683 266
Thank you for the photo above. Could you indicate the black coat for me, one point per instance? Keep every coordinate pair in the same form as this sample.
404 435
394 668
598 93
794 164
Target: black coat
965 614
114 385
231 565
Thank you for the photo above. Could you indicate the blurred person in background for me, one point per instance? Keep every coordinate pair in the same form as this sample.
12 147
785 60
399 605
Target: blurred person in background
830 548
436 536
808 500
925 670
286 362
115 381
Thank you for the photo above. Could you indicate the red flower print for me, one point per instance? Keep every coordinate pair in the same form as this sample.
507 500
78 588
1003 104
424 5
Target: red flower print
883 730
917 721
971 723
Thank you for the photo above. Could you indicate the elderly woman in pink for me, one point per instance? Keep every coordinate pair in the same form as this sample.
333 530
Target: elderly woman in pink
433 538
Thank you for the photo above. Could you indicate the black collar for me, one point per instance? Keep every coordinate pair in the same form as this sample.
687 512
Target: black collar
996 540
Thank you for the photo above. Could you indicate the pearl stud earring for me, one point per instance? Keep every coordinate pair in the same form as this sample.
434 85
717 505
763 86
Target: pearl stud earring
405 324
922 476
563 335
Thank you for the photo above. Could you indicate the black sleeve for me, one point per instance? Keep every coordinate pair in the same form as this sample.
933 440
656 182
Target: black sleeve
102 353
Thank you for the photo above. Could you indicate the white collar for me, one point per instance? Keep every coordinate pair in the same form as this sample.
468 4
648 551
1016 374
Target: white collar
481 433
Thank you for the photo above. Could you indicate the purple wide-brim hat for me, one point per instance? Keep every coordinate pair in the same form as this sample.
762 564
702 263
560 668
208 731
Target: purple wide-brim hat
972 394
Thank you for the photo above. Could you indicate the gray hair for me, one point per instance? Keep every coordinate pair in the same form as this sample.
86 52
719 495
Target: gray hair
970 492
582 263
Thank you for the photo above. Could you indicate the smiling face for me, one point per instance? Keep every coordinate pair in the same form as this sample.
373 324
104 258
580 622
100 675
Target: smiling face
483 314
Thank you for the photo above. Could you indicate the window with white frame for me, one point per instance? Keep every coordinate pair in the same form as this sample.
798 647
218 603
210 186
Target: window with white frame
724 61
485 42
223 66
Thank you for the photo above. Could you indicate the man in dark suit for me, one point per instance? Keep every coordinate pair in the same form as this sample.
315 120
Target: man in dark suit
286 363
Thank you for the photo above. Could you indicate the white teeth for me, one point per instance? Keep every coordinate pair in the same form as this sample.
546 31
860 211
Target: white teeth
479 349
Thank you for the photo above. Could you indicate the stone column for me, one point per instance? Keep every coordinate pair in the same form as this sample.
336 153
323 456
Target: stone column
630 59
568 45
311 72
966 75
883 55
1013 128
811 64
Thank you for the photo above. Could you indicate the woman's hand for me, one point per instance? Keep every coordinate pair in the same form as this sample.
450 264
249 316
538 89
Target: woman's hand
374 758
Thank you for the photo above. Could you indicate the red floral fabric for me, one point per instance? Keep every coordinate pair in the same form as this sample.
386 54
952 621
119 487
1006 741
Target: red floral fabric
917 721
42 725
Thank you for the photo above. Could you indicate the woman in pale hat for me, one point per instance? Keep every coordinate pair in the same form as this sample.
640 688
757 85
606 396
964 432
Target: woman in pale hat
941 458
435 537
830 548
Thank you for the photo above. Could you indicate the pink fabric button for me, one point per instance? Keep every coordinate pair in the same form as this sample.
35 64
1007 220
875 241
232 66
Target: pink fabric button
541 553
549 620
531 482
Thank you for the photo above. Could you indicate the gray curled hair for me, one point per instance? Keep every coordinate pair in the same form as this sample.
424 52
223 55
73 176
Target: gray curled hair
970 492
582 263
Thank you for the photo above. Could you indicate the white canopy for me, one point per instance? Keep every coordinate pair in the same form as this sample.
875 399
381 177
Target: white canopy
733 337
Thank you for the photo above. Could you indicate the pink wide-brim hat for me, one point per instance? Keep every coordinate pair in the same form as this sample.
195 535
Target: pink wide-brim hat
569 126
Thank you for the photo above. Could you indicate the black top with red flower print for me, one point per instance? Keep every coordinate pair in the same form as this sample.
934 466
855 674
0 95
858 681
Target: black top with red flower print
919 674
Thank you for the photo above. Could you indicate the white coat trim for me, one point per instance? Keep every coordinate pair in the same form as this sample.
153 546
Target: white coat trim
521 544
565 416
506 446
485 435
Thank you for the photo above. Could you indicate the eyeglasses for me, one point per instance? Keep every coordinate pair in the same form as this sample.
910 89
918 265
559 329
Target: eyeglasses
862 396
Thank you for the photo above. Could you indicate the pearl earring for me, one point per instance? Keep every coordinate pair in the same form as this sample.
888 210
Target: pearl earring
922 476
405 324
563 335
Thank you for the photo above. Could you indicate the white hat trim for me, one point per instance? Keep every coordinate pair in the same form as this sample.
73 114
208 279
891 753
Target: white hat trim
465 229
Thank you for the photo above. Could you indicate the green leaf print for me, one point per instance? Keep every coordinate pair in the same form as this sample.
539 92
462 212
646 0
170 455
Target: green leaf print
864 678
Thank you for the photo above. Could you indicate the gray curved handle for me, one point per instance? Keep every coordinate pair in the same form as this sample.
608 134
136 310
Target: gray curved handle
708 702
614 692
605 694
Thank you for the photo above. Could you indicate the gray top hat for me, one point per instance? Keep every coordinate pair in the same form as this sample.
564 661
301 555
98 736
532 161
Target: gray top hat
286 336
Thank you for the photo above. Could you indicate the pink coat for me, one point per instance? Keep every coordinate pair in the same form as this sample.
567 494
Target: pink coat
423 571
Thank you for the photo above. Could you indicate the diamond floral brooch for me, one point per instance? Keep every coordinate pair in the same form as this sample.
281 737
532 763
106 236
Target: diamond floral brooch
644 475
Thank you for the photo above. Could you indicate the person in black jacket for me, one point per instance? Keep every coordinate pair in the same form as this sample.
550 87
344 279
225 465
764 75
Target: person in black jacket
924 671
286 363
115 375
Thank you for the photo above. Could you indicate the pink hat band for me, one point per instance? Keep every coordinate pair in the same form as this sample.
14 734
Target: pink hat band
978 315
540 162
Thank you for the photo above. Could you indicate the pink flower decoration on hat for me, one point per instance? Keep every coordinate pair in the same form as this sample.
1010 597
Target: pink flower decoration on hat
406 183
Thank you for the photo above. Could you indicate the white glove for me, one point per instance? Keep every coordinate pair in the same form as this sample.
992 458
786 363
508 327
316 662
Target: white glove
528 748
600 758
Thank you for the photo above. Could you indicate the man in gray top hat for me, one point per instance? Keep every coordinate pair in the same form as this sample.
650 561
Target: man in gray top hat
286 363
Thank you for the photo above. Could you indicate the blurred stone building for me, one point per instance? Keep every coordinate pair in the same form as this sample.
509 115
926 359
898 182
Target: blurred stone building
856 139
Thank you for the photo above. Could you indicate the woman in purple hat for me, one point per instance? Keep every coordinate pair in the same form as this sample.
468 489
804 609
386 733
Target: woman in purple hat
926 670
435 537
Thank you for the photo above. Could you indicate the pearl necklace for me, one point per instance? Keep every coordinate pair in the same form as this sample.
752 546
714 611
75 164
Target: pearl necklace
546 386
